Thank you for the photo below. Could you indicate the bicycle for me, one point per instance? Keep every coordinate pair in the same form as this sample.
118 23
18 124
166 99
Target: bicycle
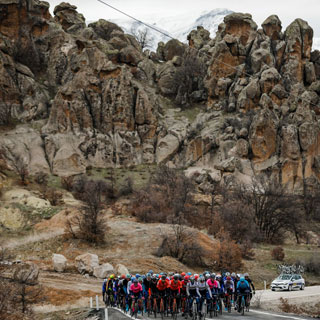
194 308
243 302
228 301
134 309
155 306
149 306
219 303
174 310
183 304
162 309
214 306
203 311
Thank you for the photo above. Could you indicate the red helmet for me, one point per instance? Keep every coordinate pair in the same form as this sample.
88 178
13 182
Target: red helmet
123 276
228 278
186 278
196 276
183 274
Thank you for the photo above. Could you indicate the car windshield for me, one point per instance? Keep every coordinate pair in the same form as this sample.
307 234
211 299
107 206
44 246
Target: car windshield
285 277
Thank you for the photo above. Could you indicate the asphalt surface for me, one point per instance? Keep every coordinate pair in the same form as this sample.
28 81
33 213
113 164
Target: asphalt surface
252 314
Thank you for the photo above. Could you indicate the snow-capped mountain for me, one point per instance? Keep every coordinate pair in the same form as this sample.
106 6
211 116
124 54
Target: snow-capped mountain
177 27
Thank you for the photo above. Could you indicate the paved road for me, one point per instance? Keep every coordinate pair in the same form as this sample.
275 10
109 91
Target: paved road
252 315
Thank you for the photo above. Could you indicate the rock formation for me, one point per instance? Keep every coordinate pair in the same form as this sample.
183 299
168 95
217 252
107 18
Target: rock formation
88 96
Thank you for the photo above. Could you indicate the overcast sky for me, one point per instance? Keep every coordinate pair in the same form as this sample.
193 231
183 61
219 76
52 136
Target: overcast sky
287 10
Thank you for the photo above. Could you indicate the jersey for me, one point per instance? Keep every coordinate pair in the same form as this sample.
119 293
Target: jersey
204 288
163 285
136 288
175 285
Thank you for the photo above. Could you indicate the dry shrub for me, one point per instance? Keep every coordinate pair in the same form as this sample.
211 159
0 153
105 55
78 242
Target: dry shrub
247 250
277 253
54 196
183 246
312 265
67 183
41 178
286 307
227 255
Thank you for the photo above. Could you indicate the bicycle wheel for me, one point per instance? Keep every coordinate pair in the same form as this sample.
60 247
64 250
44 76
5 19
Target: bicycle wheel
174 309
194 309
220 305
204 309
243 303
162 311
132 310
155 307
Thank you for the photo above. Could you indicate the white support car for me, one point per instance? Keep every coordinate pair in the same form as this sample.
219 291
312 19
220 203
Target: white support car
288 282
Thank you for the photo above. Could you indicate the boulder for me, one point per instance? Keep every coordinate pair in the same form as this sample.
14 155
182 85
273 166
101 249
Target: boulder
121 269
67 15
173 48
87 262
104 28
198 38
103 270
59 262
272 27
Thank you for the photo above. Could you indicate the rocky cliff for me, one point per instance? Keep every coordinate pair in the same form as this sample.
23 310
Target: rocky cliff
84 96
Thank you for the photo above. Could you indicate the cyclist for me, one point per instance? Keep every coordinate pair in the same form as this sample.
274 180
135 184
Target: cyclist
136 290
192 292
174 290
162 286
204 290
246 276
109 289
228 290
104 290
123 286
214 286
183 290
146 288
243 287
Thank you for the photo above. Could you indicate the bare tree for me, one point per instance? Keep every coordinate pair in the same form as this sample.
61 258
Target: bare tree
89 225
166 198
143 37
28 291
189 77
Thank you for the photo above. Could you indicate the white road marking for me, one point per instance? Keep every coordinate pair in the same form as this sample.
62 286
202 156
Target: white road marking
275 315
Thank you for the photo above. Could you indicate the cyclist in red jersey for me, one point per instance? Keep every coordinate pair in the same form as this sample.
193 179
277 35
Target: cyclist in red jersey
174 289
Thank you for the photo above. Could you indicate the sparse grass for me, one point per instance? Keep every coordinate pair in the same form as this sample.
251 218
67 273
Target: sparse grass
190 113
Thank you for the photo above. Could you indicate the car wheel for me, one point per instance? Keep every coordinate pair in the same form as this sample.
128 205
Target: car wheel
290 288
302 287
273 289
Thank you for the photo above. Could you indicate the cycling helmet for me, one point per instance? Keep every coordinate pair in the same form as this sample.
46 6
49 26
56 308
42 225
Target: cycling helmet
246 275
218 276
238 275
112 276
157 275
148 275
196 276
233 275
192 279
227 274
123 276
189 274
151 272
213 276
186 278
201 278
154 278
138 275
171 274
140 279
176 277
128 276
163 277
242 279
135 280
228 278
207 276
183 274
